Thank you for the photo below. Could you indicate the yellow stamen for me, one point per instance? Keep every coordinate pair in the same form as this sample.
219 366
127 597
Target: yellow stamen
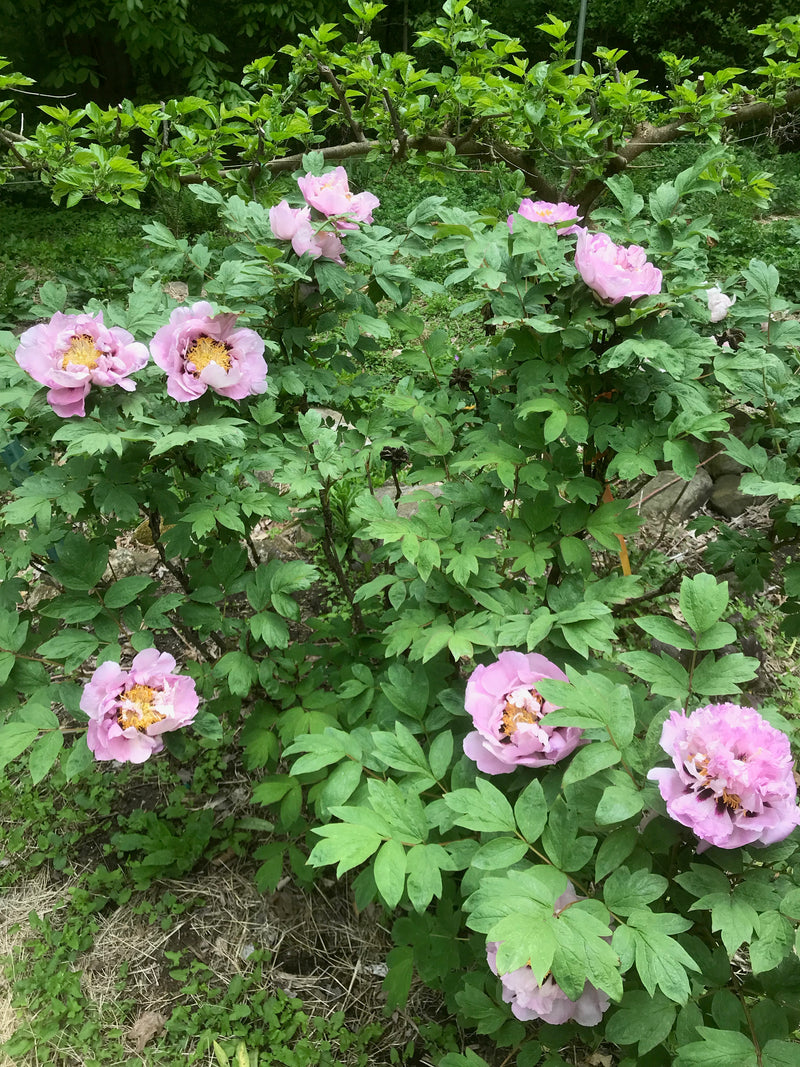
731 800
204 350
82 352
137 708
514 715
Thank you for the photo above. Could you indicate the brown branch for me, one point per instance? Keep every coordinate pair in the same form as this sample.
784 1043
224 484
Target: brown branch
400 134
647 136
9 143
344 103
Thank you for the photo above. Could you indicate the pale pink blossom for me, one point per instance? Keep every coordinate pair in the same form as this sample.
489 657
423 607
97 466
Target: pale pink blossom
294 224
613 271
552 214
530 999
330 194
731 781
201 350
718 304
130 710
511 717
71 353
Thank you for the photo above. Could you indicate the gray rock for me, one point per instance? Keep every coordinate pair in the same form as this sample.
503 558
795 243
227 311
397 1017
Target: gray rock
723 464
669 494
728 499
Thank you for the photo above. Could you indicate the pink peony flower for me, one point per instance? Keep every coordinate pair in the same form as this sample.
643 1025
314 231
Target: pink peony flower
511 717
71 353
614 272
732 781
294 224
718 304
199 349
331 195
129 710
542 211
548 1002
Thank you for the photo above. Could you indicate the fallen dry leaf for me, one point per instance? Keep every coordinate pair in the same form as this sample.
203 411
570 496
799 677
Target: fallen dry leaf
145 1028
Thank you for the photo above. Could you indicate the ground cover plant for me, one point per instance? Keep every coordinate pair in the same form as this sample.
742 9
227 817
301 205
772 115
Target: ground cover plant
546 772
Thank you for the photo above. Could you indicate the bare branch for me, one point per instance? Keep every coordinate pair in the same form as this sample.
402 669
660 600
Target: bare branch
344 103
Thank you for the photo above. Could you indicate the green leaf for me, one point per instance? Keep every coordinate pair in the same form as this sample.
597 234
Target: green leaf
774 942
206 724
390 872
79 758
397 983
126 590
344 844
74 647
702 601
499 853
81 563
588 761
643 1019
14 739
480 1011
424 879
560 839
530 811
483 808
718 1048
440 754
44 754
666 630
665 675
721 677
239 670
780 1054
617 847
625 891
733 917
660 960
618 803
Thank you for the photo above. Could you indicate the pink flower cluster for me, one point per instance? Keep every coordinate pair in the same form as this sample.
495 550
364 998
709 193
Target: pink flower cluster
615 272
197 349
130 710
731 781
341 210
547 1001
71 353
552 214
510 717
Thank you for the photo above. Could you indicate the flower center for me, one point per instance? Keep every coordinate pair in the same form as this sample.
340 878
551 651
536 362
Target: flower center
204 350
699 762
82 352
137 708
731 800
522 706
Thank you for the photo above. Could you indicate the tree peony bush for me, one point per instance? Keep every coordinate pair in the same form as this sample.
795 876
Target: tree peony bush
613 271
71 353
511 718
200 350
732 782
344 671
129 711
